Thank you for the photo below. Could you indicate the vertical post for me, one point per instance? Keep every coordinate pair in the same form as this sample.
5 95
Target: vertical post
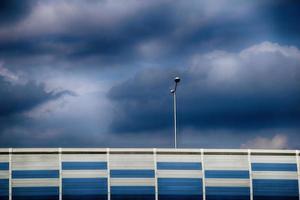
175 121
298 170
10 173
250 174
108 174
155 173
203 175
60 173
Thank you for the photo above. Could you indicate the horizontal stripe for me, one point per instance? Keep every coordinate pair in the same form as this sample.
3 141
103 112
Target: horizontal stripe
84 173
226 174
180 197
4 185
178 166
132 173
227 191
84 181
133 197
179 173
83 165
4 174
35 174
84 196
215 182
273 159
178 181
274 167
84 191
4 166
275 187
132 182
274 175
228 197
35 191
132 190
36 182
179 186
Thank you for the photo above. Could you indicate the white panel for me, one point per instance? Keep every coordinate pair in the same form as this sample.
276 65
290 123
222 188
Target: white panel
274 175
84 157
212 182
179 173
4 158
132 181
35 162
4 174
84 173
179 158
226 162
36 182
272 159
131 161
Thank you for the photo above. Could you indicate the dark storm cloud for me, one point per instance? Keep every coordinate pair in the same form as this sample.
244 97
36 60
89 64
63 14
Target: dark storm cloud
11 11
255 88
76 31
17 98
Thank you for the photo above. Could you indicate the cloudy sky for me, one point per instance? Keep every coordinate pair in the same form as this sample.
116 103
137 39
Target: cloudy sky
88 73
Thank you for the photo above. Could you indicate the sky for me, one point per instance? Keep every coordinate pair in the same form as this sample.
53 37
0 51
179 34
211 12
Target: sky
98 73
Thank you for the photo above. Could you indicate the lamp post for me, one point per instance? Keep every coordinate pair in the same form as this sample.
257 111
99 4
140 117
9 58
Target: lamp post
173 91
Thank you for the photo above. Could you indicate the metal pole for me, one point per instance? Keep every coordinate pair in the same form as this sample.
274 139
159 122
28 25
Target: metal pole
175 121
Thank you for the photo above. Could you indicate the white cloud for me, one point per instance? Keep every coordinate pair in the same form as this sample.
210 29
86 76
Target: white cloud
279 141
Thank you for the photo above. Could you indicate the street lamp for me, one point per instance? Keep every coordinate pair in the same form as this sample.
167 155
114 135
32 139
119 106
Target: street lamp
173 91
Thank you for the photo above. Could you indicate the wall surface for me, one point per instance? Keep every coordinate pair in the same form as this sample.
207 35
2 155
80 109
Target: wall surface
115 174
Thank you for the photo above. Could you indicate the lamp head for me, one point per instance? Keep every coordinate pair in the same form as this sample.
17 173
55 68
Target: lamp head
177 79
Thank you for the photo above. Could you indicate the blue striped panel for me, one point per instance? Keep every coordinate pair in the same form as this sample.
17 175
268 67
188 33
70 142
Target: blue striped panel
136 173
180 197
35 174
84 186
274 167
133 197
4 187
4 166
228 191
85 197
137 190
84 165
179 186
286 188
35 191
275 198
179 166
227 174
228 197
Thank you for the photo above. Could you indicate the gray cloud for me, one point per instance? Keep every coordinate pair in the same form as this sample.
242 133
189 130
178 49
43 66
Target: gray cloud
252 89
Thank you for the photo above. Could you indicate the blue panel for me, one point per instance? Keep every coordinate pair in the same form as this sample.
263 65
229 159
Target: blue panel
83 165
84 197
275 188
227 191
227 197
136 173
35 174
275 198
274 167
180 197
35 191
84 186
132 197
179 166
226 174
136 190
179 186
4 187
4 166
36 197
